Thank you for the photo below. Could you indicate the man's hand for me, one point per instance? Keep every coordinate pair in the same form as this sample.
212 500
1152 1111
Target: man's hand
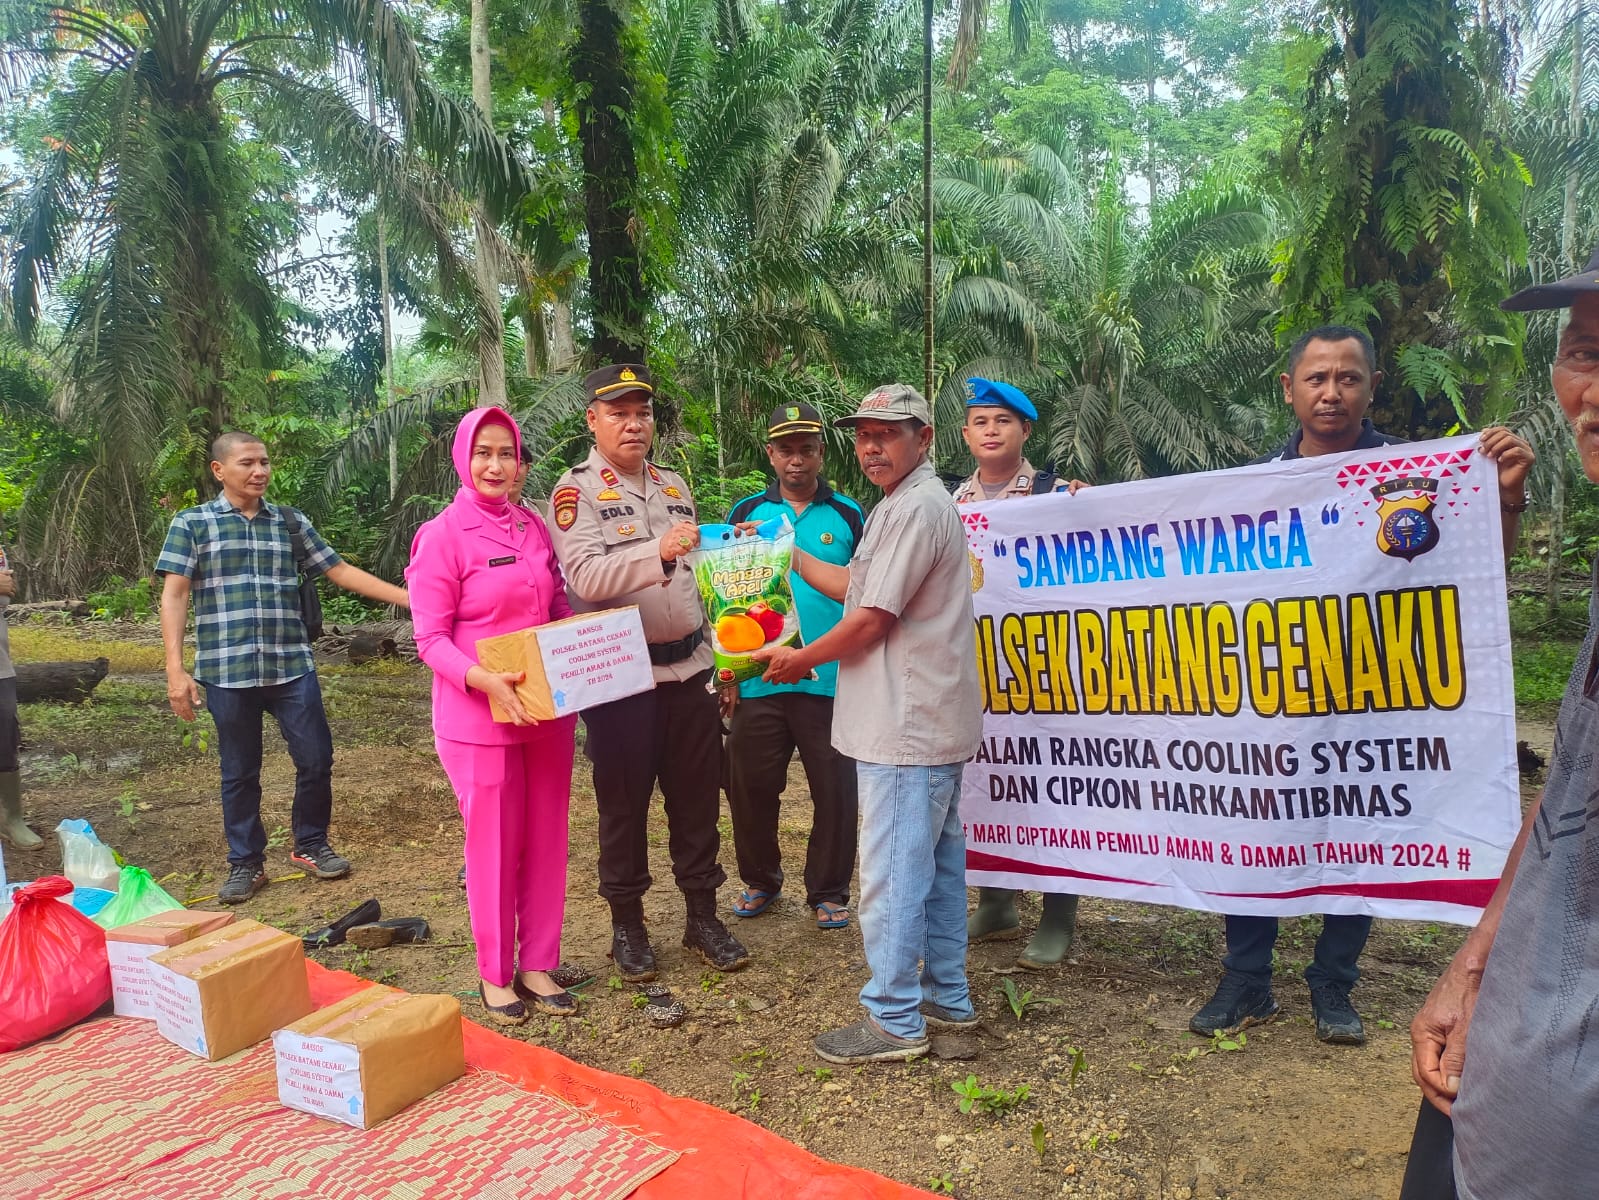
679 540
8 583
1438 1035
183 694
783 664
1513 456
727 701
1075 486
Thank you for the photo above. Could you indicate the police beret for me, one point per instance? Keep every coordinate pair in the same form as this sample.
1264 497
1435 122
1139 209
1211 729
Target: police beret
986 393
614 382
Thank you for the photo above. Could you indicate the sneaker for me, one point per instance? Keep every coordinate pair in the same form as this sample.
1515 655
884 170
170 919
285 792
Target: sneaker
242 883
1337 1022
321 861
939 1017
864 1042
1239 1002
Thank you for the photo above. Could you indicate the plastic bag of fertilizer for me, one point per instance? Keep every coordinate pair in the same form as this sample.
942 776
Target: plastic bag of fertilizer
743 584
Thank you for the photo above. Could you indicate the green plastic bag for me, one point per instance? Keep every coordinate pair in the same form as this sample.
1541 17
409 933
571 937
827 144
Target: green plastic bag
743 584
138 896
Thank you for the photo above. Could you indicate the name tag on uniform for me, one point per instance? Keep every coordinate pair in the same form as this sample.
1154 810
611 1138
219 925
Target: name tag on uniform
502 562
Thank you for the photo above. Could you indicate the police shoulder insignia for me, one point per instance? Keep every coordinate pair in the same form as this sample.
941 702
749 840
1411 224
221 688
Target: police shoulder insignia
1406 527
827 539
609 494
655 476
563 503
672 492
609 476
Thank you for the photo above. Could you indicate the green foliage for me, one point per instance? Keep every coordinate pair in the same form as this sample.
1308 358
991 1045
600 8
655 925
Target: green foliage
1020 1001
119 600
1542 670
974 1097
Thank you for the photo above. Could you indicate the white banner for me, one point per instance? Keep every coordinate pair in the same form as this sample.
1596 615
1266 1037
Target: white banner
1280 689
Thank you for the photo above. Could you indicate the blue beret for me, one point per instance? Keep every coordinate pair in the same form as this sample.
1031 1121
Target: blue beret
989 394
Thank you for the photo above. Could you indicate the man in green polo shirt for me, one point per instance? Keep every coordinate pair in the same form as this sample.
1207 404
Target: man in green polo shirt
772 719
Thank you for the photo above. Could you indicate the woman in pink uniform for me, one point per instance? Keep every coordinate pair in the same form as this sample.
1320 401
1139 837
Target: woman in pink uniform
482 567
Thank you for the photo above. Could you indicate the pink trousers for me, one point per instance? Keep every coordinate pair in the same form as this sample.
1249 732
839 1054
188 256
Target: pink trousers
514 801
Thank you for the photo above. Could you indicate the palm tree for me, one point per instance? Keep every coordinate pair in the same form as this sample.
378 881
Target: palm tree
146 206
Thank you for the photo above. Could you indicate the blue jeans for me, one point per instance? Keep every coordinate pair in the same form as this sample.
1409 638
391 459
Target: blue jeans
297 708
1250 941
913 893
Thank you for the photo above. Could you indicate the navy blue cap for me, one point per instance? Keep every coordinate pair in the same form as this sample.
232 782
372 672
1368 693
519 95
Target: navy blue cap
986 393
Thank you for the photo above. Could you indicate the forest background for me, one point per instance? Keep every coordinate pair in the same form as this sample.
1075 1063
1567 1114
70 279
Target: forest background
339 223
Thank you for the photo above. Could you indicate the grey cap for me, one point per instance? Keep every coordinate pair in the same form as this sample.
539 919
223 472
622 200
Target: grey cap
891 402
1560 293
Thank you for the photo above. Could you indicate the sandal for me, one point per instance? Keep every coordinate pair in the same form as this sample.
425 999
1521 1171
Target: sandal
831 916
660 1008
752 902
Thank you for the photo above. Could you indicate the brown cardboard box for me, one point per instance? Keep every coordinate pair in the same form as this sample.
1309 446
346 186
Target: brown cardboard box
229 988
572 664
130 946
362 1060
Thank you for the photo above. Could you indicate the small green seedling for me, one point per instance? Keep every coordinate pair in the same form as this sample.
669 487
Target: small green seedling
974 1097
1020 1001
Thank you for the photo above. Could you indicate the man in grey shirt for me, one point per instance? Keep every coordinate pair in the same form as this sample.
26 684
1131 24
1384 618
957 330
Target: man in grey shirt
1524 1091
13 829
908 710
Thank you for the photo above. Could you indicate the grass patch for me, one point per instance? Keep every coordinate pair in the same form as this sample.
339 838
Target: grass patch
49 641
121 715
1542 670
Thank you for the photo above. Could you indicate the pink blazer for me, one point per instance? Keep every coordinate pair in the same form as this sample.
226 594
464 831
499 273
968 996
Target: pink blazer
468 579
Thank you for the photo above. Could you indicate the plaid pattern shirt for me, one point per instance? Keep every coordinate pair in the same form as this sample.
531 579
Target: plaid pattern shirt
244 571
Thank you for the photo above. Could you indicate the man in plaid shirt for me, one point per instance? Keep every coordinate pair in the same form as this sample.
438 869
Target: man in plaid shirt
241 557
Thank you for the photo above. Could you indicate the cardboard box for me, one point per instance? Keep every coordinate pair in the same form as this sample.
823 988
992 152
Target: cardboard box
229 989
362 1060
130 946
573 664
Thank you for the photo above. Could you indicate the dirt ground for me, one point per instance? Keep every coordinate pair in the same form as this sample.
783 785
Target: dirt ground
1121 1100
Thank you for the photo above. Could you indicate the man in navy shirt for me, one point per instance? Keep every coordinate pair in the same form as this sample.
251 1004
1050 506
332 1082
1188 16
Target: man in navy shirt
1331 377
772 719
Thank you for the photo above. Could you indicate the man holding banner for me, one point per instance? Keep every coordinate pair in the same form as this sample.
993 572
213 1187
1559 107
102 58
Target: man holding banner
1526 980
1329 385
908 713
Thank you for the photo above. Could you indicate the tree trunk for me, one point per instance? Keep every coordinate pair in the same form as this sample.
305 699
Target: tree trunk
1557 538
605 86
60 682
1568 216
927 199
386 303
491 321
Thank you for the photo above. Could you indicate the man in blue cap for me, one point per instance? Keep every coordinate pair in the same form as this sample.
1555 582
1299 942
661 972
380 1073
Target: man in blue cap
999 419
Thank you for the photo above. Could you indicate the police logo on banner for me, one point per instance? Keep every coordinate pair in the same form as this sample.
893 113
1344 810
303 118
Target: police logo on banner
1406 527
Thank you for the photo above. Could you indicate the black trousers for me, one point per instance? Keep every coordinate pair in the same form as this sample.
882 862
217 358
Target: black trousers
766 730
672 735
10 727
1430 1171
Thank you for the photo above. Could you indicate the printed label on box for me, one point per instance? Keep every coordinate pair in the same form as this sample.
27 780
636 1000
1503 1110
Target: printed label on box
319 1076
132 992
596 661
178 1014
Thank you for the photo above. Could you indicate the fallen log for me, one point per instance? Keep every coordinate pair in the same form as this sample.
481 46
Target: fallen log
364 647
59 682
73 608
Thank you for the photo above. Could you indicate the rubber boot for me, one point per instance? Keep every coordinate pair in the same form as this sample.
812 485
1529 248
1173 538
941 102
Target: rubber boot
1057 928
704 933
12 827
995 918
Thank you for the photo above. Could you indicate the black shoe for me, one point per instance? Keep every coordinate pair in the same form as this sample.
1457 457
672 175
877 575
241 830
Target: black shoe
1337 1022
630 948
321 861
242 883
557 1004
461 878
396 931
332 935
710 938
1239 1002
514 1013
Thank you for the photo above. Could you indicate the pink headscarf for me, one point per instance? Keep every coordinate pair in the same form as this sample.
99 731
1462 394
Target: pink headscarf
495 509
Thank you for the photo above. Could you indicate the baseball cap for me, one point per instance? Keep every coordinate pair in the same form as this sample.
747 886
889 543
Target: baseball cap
1562 293
986 393
615 381
793 418
891 402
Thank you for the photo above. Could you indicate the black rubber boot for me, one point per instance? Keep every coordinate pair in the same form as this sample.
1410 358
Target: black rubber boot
705 934
630 945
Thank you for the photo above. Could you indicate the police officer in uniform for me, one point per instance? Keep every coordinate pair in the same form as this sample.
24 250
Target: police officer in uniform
999 419
622 525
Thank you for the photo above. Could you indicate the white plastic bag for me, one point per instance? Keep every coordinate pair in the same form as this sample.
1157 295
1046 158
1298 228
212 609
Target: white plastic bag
85 859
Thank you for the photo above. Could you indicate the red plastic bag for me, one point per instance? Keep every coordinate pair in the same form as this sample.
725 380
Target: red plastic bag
53 968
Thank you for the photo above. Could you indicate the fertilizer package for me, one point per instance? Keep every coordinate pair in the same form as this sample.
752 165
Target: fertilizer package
743 584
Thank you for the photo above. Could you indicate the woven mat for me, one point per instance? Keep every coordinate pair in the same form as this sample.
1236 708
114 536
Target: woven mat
111 1109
